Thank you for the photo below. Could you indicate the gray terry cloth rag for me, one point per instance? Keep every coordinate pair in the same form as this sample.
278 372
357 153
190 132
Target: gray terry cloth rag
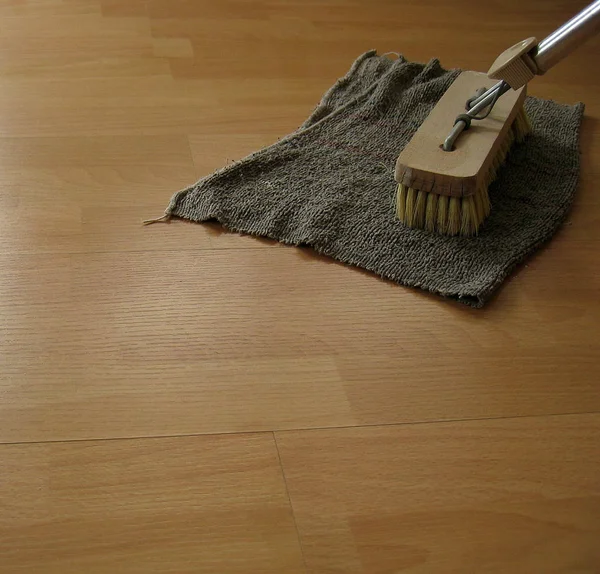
330 184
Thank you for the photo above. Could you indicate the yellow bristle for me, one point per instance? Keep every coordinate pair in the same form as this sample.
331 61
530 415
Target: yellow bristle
453 216
442 214
478 200
468 216
431 211
485 200
410 206
420 204
401 202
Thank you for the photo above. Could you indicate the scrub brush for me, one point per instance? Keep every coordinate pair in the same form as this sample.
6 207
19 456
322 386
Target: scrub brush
443 178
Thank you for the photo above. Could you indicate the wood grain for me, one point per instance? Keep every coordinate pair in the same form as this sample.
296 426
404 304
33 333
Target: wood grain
211 504
485 496
199 341
109 330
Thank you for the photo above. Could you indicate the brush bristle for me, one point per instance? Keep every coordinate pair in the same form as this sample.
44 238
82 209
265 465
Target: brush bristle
458 215
431 211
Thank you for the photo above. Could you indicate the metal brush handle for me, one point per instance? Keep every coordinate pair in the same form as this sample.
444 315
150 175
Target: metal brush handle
521 62
567 38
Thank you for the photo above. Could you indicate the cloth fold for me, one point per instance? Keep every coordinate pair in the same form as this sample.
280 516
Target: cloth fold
330 184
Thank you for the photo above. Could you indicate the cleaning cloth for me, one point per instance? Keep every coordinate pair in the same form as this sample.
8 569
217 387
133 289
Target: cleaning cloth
330 184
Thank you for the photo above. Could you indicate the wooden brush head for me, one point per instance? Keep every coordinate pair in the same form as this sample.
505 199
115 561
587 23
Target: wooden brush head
424 165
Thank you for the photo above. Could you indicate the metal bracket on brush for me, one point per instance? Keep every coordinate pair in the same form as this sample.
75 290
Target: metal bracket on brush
474 106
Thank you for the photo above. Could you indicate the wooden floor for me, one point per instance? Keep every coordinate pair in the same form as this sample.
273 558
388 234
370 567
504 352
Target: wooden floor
179 399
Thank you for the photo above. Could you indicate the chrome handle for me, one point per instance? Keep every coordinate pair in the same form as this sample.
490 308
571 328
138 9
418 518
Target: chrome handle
567 38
